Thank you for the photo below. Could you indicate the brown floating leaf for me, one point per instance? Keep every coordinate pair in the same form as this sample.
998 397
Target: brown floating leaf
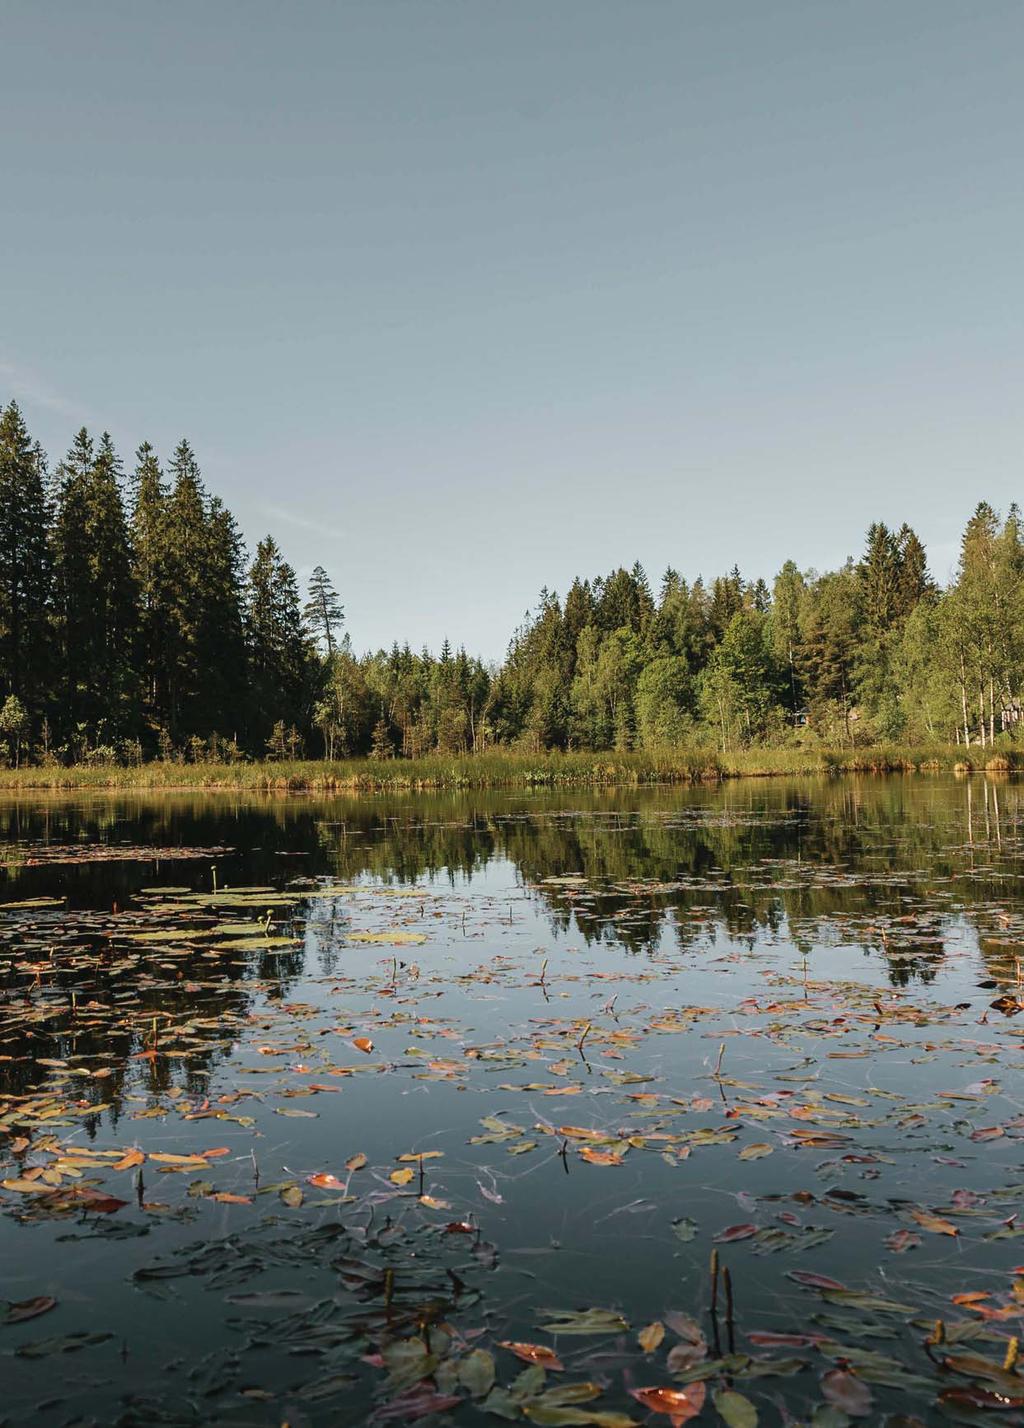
934 1223
24 1309
599 1157
533 1353
324 1180
735 1232
814 1281
679 1404
756 1151
846 1392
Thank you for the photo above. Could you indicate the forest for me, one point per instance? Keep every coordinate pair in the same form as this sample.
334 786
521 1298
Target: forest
135 625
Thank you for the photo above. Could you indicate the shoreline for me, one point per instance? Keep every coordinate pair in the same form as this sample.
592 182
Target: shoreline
436 773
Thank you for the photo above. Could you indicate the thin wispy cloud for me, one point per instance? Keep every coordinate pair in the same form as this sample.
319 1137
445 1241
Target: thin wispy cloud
25 386
303 523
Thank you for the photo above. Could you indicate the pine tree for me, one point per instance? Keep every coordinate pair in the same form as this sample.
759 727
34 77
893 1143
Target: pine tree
115 596
95 592
914 581
24 564
278 652
206 667
222 646
184 532
149 564
788 595
323 612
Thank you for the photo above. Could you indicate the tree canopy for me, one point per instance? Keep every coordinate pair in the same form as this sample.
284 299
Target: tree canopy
134 624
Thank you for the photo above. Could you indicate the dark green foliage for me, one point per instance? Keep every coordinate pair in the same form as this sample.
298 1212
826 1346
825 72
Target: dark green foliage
96 603
24 563
280 657
140 629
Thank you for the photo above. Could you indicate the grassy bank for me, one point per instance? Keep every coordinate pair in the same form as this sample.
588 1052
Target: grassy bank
511 770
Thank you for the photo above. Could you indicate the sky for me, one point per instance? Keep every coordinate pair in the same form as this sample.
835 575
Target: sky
460 299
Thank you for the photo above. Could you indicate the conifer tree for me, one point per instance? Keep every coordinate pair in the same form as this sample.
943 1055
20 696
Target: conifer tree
278 652
323 612
24 564
149 564
95 593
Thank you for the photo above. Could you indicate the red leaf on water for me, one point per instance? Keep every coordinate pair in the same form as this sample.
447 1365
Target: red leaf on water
325 1181
735 1232
847 1392
533 1353
814 1281
678 1404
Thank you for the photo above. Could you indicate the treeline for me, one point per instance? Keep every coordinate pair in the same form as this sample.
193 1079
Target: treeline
134 624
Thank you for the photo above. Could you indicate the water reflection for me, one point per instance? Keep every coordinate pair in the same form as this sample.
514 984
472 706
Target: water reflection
671 918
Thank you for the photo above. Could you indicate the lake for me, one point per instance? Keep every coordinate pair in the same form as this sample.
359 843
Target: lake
705 1101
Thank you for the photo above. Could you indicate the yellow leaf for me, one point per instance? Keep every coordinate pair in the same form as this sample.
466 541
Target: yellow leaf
651 1337
935 1223
755 1151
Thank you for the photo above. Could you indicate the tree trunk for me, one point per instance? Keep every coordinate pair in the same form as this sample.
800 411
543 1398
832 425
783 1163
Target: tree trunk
981 715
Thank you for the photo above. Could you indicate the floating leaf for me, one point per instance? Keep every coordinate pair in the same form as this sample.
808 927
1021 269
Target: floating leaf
651 1337
476 1373
734 1409
24 1309
935 1224
587 1321
734 1233
847 1392
599 1157
533 1354
678 1404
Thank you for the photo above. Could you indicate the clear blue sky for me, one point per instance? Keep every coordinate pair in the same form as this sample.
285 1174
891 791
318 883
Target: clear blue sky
460 298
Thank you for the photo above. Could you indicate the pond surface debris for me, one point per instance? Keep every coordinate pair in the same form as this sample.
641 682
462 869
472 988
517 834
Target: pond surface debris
669 1106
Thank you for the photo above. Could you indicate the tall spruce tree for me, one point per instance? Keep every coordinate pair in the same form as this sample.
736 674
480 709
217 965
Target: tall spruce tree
24 565
323 612
205 638
95 596
278 651
149 556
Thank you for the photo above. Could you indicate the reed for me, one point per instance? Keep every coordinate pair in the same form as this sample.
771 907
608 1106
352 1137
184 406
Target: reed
511 769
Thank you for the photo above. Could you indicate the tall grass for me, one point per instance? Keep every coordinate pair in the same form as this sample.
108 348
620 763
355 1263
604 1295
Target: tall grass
506 769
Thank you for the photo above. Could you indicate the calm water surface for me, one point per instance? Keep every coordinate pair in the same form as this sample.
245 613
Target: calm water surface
609 1032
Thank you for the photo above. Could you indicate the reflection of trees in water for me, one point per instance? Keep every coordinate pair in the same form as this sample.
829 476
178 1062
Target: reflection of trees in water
880 864
79 1012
